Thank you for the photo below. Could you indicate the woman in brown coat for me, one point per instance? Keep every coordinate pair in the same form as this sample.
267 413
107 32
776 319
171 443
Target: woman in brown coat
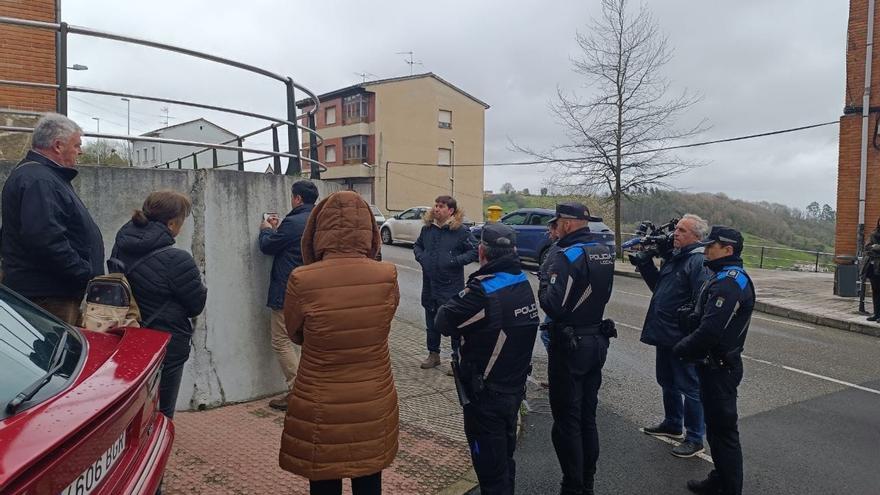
342 416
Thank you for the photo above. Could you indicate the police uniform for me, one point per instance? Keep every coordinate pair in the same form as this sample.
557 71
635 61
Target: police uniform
575 287
497 318
722 315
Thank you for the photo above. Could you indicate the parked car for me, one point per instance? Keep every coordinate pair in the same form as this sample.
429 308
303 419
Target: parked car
78 409
405 226
377 214
532 239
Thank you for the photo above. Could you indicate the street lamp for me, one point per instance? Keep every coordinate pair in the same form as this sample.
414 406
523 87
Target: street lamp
98 148
98 120
78 67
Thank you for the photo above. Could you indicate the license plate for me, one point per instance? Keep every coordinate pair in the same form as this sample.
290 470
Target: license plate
97 471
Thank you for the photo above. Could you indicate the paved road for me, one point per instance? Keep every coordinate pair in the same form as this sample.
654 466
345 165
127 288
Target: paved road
809 407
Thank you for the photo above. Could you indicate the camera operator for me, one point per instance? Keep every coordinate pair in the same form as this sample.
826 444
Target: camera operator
676 284
720 324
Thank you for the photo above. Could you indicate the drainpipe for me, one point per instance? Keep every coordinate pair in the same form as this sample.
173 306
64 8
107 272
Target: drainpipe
866 101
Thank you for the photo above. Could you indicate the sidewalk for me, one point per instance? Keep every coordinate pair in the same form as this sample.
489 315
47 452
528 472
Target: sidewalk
803 296
234 449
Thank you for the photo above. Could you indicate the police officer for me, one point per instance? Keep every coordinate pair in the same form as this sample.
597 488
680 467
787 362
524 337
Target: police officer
575 285
721 317
497 317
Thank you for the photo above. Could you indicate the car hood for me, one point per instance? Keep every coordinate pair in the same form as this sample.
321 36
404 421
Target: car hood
116 364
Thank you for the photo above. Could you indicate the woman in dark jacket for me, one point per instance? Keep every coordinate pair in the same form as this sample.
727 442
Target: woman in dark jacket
166 282
872 269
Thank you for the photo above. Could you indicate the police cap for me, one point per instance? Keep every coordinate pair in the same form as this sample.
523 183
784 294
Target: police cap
575 211
498 235
724 235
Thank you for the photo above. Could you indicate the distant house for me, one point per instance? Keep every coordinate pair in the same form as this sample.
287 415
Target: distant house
150 154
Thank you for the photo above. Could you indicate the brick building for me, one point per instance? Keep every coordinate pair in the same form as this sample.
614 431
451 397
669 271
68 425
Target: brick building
851 130
28 54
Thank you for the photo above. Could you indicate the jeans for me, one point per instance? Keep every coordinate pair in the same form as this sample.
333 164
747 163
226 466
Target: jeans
681 395
365 485
433 338
575 378
718 389
490 428
172 371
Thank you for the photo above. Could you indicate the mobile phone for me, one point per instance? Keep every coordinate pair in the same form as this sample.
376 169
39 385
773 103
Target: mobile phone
268 215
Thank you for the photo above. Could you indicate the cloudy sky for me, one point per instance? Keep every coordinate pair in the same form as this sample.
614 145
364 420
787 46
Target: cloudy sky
759 65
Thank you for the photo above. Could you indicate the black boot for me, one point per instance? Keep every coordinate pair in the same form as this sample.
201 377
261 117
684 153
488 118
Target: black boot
873 318
708 486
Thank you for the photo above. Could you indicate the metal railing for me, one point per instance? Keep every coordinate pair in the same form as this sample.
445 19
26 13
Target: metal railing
293 153
780 258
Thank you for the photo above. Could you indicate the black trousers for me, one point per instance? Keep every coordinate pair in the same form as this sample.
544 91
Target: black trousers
718 393
575 378
172 371
490 428
875 294
365 485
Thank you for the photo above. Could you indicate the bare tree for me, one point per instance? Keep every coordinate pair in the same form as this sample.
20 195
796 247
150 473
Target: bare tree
613 132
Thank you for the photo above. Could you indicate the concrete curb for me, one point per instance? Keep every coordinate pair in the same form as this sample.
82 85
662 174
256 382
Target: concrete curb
793 314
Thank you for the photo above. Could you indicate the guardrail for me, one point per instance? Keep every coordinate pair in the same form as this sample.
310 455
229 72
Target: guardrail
781 258
294 155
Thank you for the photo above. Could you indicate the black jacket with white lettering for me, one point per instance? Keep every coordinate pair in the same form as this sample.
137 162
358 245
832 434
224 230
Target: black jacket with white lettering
725 309
497 317
576 281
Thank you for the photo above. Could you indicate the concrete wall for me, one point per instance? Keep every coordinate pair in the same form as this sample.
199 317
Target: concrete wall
231 359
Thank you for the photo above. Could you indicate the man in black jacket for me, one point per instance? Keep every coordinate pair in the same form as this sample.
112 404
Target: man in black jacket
498 317
674 285
282 240
443 249
51 246
575 286
722 316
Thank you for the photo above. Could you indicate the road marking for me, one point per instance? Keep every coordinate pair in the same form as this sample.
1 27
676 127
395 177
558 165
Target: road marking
788 368
702 455
633 294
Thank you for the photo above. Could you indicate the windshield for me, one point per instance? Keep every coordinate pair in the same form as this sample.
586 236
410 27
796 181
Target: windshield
28 337
376 210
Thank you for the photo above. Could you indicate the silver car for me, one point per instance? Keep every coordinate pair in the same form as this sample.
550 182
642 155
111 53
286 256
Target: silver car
405 226
377 214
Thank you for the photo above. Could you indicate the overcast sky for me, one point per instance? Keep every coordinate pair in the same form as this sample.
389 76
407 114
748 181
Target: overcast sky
759 65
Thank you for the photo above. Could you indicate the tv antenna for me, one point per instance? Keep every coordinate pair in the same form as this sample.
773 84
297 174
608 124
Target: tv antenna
365 75
166 116
410 61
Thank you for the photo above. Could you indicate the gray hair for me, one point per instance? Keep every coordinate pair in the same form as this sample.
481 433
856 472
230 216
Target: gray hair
700 227
51 127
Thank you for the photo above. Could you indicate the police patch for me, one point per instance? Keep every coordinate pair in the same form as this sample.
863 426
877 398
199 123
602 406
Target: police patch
464 292
732 273
553 279
719 302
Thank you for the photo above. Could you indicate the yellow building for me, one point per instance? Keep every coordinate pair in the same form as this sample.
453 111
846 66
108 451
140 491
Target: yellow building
402 142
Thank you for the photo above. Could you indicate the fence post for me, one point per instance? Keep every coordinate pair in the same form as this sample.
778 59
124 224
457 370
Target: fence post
195 162
761 263
817 262
293 165
214 157
179 164
276 159
240 156
61 69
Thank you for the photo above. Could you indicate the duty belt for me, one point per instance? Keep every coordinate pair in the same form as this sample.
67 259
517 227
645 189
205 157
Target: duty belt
581 330
503 389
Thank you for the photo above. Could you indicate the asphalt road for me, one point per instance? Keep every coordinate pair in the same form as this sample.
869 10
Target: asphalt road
809 406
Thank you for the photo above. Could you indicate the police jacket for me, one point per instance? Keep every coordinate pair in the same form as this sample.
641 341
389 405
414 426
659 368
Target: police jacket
576 281
50 244
724 308
168 285
443 251
284 245
871 267
497 317
674 285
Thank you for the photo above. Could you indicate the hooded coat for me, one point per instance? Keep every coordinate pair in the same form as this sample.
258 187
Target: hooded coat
342 416
443 251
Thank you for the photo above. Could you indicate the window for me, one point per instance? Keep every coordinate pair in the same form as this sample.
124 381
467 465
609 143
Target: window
354 149
514 219
540 219
411 214
444 156
138 156
355 109
330 153
154 153
445 119
329 115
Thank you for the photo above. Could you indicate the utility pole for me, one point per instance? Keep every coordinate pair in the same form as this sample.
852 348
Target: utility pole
98 142
452 168
410 61
128 128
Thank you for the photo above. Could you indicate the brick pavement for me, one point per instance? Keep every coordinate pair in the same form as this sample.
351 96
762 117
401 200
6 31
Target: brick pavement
234 449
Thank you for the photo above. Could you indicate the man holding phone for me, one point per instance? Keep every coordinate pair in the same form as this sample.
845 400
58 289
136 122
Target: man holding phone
281 239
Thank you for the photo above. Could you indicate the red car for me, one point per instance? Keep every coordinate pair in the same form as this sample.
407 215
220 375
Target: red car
78 409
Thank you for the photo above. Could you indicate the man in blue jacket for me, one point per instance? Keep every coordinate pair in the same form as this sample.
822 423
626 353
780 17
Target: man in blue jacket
443 249
676 284
281 239
50 244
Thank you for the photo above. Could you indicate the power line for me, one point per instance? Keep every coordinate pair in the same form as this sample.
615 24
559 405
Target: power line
632 153
117 112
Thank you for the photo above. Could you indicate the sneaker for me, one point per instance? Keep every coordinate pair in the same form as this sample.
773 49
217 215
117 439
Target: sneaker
873 318
703 487
687 449
432 361
279 404
662 430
